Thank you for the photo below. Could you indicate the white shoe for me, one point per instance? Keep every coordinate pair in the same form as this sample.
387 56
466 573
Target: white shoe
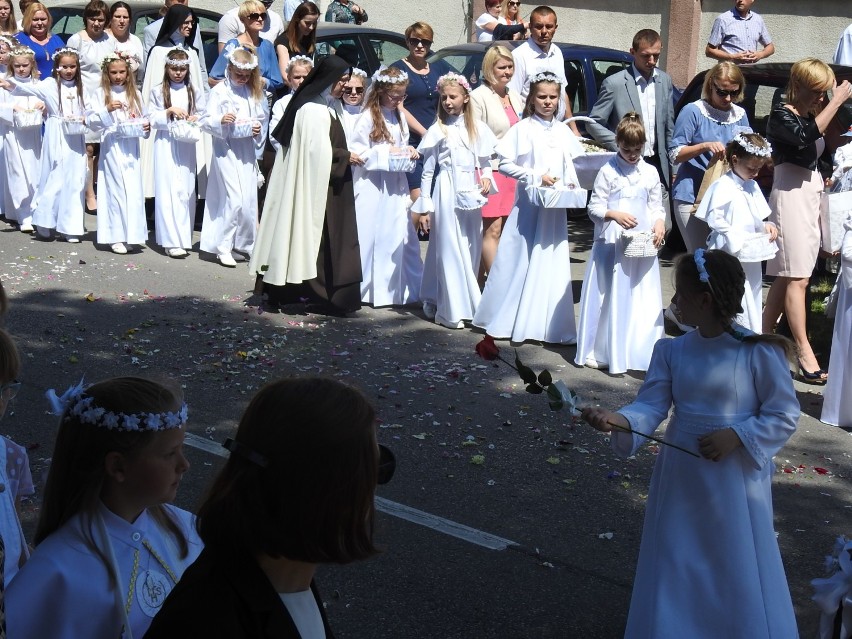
225 259
448 324
72 239
27 228
176 252
119 248
429 310
673 315
593 363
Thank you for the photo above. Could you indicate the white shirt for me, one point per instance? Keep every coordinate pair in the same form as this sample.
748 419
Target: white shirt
529 60
290 7
304 612
230 26
648 99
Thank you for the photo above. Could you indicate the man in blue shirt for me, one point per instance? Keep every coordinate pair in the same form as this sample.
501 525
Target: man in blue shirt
736 34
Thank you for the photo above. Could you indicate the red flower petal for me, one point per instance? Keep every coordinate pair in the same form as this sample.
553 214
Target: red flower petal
487 349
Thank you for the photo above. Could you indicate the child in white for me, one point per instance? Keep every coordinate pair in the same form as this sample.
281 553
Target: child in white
59 197
109 547
236 116
174 112
15 475
620 316
390 251
841 177
458 147
22 115
735 210
297 70
709 564
528 293
7 43
837 400
350 103
116 110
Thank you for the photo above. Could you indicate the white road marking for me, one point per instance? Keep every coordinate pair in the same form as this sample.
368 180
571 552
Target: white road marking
428 520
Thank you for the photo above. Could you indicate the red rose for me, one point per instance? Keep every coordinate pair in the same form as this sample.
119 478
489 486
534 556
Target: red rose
487 349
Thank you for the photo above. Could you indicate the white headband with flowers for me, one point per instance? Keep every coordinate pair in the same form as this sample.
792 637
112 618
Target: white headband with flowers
64 51
545 76
381 76
751 148
170 62
454 77
298 59
242 66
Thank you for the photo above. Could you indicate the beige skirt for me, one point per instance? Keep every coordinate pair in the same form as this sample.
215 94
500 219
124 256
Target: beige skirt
795 211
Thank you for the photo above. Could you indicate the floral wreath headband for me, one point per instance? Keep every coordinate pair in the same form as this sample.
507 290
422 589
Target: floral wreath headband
64 51
545 76
454 77
242 66
10 41
381 76
751 148
115 56
176 63
298 59
21 51
74 403
360 73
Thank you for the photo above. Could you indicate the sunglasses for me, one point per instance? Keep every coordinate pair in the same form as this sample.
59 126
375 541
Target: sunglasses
414 42
257 16
353 90
725 94
514 4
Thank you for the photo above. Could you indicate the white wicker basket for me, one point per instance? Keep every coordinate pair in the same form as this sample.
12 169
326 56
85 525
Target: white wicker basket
242 129
757 248
638 244
184 131
134 128
28 119
74 125
550 197
401 162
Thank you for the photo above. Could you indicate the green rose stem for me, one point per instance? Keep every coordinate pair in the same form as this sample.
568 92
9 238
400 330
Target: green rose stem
653 439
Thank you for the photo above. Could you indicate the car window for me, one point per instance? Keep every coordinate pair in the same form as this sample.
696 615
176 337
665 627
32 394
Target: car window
346 47
576 87
388 52
207 23
470 66
758 102
605 68
142 22
67 24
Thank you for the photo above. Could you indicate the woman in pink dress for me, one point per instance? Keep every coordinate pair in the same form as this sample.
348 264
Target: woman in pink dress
498 106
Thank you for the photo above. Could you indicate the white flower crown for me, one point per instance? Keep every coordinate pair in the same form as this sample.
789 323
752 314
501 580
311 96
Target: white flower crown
61 51
303 59
20 51
454 77
381 76
359 73
545 76
242 66
115 56
751 148
10 41
176 63
74 403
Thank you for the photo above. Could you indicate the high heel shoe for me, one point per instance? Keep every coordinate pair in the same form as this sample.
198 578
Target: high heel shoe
817 378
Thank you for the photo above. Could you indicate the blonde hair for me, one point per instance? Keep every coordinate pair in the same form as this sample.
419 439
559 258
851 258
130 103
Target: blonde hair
420 30
11 26
244 55
808 74
492 56
24 52
467 109
248 7
728 72
133 101
504 10
380 132
630 131
27 20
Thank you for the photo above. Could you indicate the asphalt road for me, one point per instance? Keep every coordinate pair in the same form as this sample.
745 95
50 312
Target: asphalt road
472 447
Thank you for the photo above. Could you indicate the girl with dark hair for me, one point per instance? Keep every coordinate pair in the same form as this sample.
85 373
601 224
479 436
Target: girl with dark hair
60 191
109 548
119 23
296 492
709 563
299 38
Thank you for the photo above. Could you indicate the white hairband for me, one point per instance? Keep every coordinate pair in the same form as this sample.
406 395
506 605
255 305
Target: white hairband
176 63
751 148
381 76
64 51
301 59
545 76
243 66
359 73
454 77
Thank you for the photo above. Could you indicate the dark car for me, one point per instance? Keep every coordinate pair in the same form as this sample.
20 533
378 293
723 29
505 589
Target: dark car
585 67
364 47
68 20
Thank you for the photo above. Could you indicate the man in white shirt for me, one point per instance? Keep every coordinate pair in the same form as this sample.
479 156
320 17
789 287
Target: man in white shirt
150 37
290 7
642 88
843 53
538 54
230 25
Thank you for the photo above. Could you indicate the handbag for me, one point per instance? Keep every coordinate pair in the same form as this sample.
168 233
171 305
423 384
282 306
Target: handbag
638 244
716 169
184 131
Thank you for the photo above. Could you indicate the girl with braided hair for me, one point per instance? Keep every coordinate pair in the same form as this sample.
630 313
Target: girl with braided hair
709 563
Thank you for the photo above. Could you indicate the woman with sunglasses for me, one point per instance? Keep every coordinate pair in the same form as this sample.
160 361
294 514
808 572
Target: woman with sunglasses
487 21
795 130
252 14
421 100
299 38
510 15
701 131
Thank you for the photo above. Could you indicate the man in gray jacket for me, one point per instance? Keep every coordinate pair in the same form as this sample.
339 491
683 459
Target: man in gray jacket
646 90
